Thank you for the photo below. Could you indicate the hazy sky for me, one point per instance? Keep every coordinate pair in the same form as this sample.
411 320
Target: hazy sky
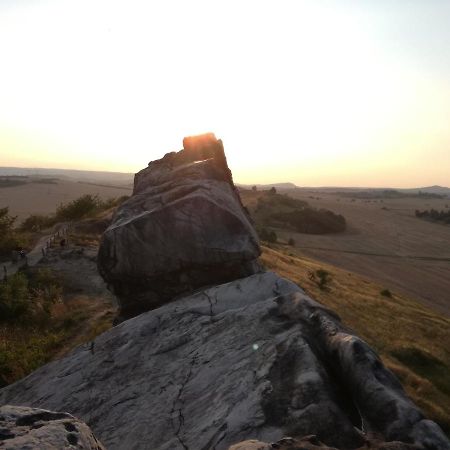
344 92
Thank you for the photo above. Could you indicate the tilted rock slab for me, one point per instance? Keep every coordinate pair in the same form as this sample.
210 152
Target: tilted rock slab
252 359
183 228
24 428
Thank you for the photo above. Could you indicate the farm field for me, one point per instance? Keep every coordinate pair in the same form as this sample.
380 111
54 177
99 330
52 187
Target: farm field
44 198
385 242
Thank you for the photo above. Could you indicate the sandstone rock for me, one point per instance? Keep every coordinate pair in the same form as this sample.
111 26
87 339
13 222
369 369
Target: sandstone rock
183 228
312 443
252 359
38 429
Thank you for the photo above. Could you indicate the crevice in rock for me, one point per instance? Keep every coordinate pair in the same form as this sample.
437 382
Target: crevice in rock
179 411
42 416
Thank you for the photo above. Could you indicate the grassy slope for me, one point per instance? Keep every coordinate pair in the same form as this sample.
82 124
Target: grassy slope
411 340
74 321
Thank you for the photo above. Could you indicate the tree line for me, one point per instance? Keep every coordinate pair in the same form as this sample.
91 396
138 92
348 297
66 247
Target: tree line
435 215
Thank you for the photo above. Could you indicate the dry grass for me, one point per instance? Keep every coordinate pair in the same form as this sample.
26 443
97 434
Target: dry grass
412 340
73 322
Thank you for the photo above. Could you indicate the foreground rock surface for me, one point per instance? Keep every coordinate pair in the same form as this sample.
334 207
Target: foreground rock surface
183 228
251 359
24 428
312 443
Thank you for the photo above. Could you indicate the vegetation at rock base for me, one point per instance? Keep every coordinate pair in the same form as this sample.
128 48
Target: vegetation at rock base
44 315
435 215
28 297
10 238
409 337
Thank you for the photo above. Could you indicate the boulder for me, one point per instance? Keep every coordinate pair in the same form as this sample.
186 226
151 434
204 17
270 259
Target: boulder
255 358
183 228
24 428
312 443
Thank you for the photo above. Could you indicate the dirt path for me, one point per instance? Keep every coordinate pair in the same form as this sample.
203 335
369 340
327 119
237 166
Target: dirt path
34 256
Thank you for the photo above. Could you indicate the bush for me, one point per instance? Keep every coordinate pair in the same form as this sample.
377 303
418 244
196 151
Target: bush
321 277
291 242
14 298
386 293
82 207
268 235
6 221
36 222
29 297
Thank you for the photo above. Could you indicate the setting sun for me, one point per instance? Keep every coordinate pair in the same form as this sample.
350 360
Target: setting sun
317 93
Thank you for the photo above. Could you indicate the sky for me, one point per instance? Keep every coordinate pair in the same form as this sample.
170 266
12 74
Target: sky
316 92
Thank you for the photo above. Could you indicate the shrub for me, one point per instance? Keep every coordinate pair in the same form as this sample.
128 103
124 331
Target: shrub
386 293
321 277
268 235
36 222
14 298
291 242
9 237
29 297
80 208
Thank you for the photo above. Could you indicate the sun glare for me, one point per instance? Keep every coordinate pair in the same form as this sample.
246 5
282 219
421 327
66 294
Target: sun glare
294 89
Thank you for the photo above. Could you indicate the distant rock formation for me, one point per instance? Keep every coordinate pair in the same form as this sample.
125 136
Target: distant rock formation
183 228
254 358
24 428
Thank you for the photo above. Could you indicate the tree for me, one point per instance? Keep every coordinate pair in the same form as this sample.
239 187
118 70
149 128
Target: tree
6 221
272 190
9 238
254 188
36 222
268 235
80 208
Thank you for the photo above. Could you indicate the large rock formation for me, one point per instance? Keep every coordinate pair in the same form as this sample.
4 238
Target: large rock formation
254 358
183 228
29 428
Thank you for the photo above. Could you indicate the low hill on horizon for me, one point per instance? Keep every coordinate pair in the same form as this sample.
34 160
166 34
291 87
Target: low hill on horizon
127 178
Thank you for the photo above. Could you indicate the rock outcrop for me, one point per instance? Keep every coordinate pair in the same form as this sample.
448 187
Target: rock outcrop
183 228
24 428
254 358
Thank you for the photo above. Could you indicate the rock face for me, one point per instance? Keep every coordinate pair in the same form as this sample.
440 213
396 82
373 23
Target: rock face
252 359
29 428
183 228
